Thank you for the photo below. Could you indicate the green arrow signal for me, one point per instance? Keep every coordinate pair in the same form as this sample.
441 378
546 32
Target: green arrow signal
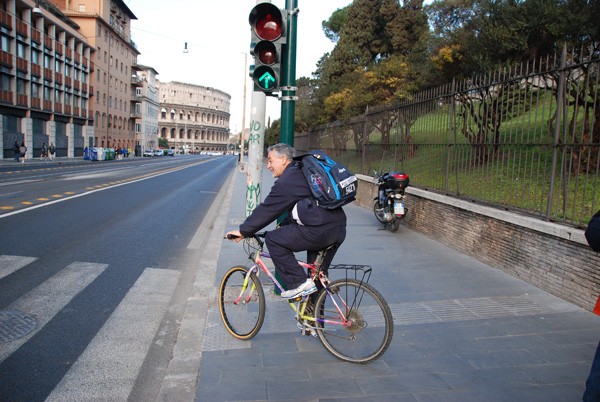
266 77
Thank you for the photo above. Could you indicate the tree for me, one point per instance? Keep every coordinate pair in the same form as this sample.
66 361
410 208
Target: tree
334 25
163 142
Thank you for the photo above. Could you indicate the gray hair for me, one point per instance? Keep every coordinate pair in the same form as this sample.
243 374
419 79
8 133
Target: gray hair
282 149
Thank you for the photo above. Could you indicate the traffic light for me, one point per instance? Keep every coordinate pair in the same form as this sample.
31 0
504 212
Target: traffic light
268 37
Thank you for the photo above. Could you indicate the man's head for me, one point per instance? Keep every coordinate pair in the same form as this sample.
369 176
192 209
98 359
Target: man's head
279 156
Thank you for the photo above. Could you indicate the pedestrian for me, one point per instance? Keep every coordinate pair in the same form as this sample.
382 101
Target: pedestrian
16 151
592 385
44 154
23 151
51 149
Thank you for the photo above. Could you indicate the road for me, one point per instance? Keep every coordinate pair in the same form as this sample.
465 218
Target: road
96 262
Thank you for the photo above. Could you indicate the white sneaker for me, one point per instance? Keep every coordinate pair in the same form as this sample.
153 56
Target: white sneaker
305 289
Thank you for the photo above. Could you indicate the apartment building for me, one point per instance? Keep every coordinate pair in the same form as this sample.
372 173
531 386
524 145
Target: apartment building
193 118
107 26
146 109
45 72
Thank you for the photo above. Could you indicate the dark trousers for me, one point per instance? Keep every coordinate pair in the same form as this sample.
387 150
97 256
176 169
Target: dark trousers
283 242
592 385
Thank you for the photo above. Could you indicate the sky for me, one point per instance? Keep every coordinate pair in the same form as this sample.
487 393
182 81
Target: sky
217 33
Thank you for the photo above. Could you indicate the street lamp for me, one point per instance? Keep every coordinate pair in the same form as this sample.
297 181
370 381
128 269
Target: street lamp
37 9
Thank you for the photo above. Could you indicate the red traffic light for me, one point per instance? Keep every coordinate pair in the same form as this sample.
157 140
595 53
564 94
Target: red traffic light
267 22
266 53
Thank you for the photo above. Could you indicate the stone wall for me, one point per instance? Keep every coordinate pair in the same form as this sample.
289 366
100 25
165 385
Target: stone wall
553 257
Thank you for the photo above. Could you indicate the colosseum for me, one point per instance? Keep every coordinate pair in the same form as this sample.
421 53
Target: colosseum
193 118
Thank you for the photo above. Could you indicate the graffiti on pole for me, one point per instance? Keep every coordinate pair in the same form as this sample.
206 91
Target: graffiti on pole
252 196
255 132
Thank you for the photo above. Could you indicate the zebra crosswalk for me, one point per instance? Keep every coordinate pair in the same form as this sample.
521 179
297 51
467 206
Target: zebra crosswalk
108 367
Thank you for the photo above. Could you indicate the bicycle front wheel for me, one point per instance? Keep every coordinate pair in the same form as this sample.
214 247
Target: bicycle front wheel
369 326
241 303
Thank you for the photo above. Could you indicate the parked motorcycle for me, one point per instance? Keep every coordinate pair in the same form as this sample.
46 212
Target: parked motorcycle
389 206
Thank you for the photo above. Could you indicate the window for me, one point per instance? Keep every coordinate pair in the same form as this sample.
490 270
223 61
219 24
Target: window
57 96
5 82
47 61
48 93
35 90
5 43
138 92
67 70
21 50
138 128
58 66
21 86
67 99
103 99
35 57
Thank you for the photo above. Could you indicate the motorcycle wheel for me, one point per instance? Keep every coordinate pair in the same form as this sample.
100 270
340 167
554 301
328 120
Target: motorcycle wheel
379 212
395 224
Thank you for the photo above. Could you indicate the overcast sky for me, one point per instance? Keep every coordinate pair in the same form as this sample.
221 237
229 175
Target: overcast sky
218 35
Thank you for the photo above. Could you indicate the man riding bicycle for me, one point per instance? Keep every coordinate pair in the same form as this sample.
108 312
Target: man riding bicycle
306 226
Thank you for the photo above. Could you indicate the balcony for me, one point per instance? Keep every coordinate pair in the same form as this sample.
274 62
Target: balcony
48 105
36 70
134 114
77 58
22 28
58 78
48 42
22 64
36 35
67 109
69 53
83 87
6 96
91 66
59 47
5 19
47 74
76 85
22 100
137 81
75 111
58 107
85 62
36 103
6 58
68 81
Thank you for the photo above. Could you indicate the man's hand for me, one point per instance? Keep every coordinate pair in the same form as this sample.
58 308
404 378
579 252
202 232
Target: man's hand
234 235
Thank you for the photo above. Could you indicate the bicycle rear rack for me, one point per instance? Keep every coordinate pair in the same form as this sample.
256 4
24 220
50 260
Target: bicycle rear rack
361 273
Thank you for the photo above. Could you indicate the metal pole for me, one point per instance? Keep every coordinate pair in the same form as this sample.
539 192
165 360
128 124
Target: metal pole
243 112
255 151
288 87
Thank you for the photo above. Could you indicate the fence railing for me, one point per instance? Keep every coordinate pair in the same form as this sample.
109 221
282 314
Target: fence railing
525 139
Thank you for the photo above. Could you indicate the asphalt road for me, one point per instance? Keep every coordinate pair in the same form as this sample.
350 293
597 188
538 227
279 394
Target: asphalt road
95 266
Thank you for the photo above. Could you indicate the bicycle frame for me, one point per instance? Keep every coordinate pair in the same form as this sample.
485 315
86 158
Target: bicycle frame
302 302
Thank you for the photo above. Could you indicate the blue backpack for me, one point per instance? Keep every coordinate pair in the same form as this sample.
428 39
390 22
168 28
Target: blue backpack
331 183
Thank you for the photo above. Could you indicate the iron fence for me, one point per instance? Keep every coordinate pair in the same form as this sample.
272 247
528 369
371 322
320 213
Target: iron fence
525 138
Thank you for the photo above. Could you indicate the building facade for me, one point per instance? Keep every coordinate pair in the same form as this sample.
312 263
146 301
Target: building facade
146 93
193 118
106 25
46 68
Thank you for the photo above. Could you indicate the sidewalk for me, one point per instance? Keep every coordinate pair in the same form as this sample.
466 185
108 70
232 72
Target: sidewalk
463 331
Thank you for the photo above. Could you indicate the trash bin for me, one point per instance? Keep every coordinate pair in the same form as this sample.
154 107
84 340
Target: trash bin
93 154
109 154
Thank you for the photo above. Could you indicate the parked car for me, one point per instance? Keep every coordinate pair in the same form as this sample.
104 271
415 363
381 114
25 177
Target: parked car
169 152
149 153
158 152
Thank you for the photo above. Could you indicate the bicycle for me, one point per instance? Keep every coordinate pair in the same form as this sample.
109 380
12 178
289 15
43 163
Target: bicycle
350 317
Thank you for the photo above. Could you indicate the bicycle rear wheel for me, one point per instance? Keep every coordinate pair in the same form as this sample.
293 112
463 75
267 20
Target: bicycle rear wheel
371 326
242 308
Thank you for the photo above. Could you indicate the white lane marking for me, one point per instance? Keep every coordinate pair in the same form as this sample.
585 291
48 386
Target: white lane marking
109 366
46 300
12 263
45 204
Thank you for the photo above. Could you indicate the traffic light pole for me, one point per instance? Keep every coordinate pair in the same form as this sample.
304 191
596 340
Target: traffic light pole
288 82
256 144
